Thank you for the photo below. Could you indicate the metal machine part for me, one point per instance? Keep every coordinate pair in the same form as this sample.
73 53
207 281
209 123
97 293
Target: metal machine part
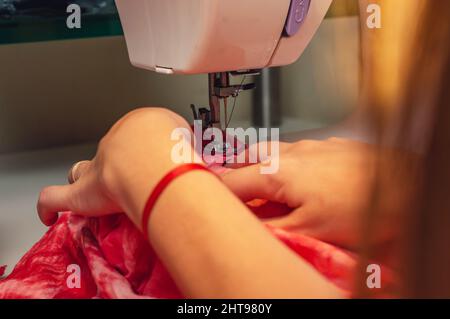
220 89
266 99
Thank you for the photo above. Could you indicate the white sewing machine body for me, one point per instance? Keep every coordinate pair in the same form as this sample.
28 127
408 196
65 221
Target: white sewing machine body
212 36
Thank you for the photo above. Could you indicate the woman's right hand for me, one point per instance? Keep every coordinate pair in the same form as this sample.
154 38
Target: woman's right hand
327 184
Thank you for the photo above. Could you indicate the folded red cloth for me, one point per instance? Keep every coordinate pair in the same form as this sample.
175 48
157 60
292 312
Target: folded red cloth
116 261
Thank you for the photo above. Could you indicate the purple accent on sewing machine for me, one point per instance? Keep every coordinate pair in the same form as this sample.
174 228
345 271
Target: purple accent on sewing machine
297 14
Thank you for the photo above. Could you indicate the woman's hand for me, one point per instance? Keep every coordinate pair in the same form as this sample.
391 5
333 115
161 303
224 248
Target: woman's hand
325 182
197 227
328 185
137 150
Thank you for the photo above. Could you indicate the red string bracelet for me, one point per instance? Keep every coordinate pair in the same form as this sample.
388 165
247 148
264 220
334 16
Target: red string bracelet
162 185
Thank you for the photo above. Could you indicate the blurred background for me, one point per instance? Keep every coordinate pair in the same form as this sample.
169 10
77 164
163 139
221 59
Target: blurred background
61 89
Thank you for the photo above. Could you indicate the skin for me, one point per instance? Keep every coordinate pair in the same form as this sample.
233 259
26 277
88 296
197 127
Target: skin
221 237
327 184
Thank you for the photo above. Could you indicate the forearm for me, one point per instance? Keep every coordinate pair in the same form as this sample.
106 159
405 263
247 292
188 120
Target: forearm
215 248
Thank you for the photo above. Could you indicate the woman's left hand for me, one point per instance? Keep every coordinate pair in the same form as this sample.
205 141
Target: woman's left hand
137 150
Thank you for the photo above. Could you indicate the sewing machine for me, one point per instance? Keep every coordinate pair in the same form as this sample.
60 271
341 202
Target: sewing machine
220 38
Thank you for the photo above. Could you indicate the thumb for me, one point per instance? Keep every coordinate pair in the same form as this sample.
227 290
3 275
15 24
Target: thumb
248 183
52 200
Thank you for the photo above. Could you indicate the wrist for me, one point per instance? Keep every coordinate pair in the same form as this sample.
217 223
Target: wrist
131 185
181 172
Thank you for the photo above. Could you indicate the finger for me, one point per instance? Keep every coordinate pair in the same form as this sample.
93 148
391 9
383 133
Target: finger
295 220
301 220
310 220
248 183
258 153
52 200
77 170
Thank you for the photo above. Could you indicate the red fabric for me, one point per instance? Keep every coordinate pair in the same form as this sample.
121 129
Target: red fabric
117 262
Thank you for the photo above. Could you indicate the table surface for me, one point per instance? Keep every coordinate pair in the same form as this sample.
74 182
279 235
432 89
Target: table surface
22 176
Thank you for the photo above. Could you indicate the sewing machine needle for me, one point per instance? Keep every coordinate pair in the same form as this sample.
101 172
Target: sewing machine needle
225 106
